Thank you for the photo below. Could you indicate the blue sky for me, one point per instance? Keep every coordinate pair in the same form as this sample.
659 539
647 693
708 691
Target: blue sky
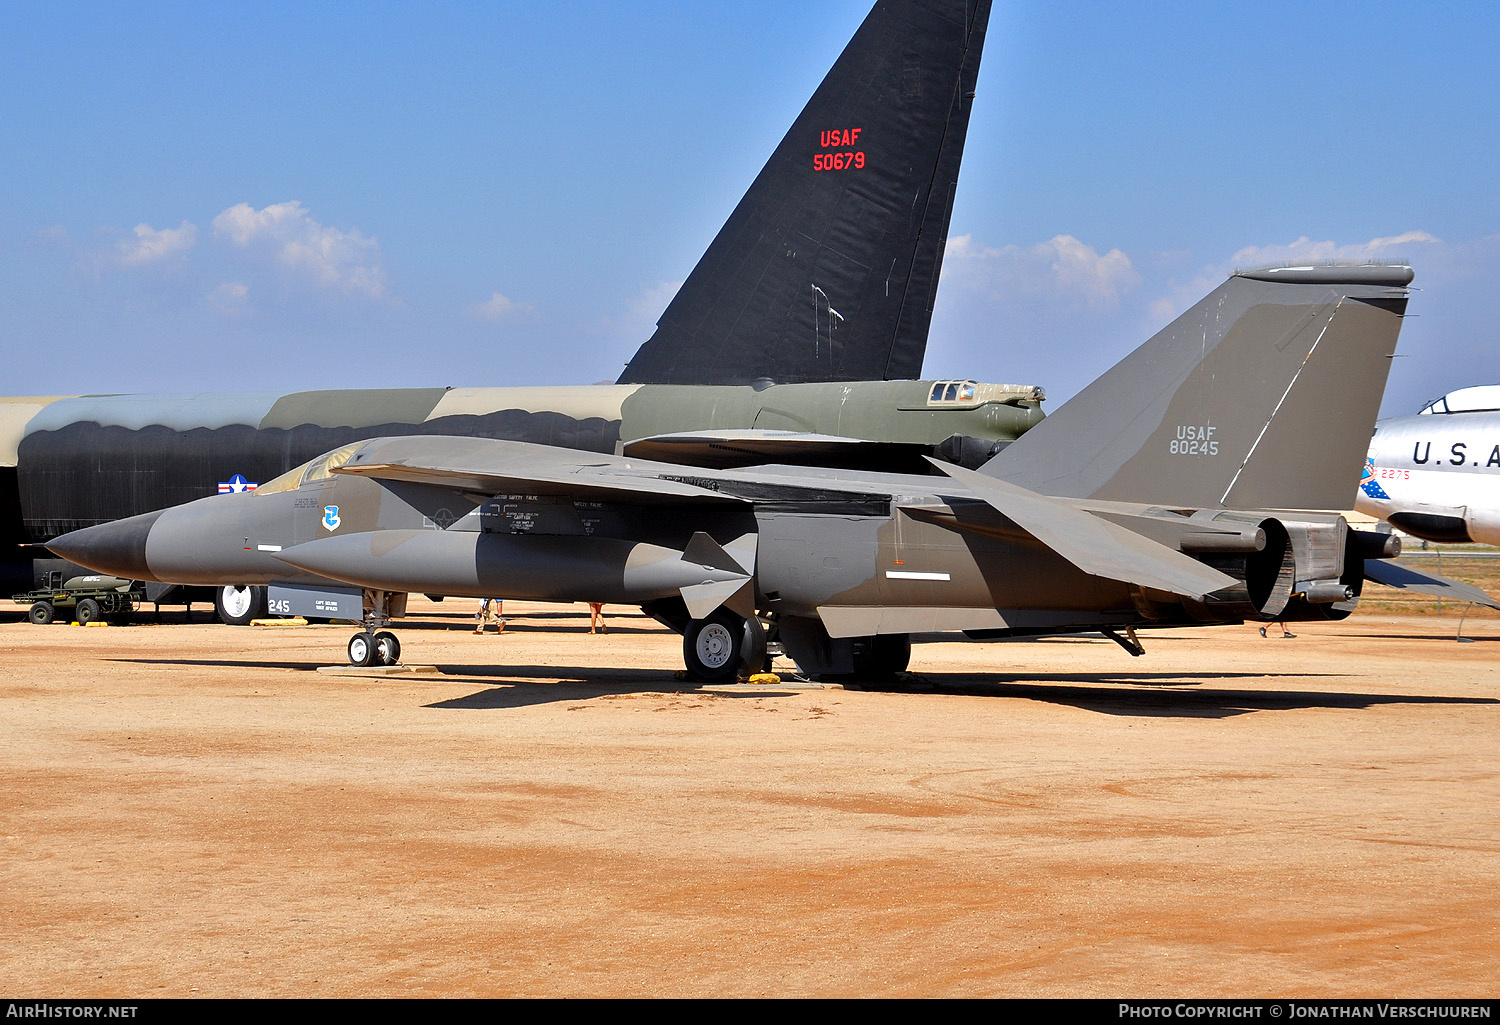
277 196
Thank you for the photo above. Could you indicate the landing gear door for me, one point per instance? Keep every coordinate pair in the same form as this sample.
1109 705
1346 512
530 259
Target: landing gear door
316 602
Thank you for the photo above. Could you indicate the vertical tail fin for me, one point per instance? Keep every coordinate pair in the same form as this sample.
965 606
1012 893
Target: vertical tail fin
1263 395
827 269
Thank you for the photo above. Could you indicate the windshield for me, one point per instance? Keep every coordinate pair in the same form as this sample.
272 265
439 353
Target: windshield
318 469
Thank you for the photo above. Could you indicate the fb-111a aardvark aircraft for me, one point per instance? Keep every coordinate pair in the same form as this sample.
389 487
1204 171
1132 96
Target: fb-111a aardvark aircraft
1167 493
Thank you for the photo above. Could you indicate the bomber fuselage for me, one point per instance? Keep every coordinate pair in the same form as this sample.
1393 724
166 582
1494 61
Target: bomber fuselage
91 459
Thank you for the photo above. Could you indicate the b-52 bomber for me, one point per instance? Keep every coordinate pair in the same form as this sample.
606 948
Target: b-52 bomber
1170 492
796 338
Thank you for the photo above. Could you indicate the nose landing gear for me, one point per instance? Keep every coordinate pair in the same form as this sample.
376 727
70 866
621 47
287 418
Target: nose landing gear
374 649
374 646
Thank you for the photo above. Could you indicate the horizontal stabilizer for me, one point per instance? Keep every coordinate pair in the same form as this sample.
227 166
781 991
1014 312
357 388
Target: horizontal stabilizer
1405 578
1094 545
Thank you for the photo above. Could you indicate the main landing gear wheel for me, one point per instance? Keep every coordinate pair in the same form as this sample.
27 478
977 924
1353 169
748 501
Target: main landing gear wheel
237 606
42 613
723 646
381 649
88 610
883 657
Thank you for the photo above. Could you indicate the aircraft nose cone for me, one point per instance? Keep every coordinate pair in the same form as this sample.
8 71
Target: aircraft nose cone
117 548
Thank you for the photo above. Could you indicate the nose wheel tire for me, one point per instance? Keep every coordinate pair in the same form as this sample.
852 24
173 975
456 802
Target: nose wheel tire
381 649
387 648
361 650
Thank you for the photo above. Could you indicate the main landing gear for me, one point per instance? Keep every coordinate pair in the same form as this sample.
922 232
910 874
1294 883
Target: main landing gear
238 606
724 646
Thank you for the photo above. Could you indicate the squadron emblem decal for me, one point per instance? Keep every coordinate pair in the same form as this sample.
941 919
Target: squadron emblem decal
1367 482
331 517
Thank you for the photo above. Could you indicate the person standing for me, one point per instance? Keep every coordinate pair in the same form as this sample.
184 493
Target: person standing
490 611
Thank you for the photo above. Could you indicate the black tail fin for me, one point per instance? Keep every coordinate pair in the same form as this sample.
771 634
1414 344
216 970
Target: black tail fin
827 269
1262 396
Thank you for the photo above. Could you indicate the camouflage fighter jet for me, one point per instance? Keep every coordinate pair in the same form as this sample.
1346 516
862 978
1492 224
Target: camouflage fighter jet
1167 493
792 338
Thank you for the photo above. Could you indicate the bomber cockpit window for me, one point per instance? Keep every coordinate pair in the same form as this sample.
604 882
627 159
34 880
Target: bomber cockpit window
946 393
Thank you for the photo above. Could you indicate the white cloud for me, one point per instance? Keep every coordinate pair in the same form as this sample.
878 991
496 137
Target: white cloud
642 311
653 301
150 245
230 297
498 307
55 236
1061 270
331 257
1182 294
1304 250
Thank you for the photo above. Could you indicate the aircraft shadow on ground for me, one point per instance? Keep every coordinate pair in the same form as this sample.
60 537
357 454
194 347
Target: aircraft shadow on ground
1450 638
226 663
1137 693
1129 694
582 685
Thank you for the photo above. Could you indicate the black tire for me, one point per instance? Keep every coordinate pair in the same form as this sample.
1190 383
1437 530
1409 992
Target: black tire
88 610
237 606
884 656
723 646
42 613
361 650
123 616
754 658
387 648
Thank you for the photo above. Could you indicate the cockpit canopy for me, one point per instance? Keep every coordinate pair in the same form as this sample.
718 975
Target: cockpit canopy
1484 398
318 469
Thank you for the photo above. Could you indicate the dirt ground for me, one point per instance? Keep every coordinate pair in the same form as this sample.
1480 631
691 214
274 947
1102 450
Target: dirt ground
192 809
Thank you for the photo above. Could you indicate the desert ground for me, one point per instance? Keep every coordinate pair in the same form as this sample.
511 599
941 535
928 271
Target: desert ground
189 809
